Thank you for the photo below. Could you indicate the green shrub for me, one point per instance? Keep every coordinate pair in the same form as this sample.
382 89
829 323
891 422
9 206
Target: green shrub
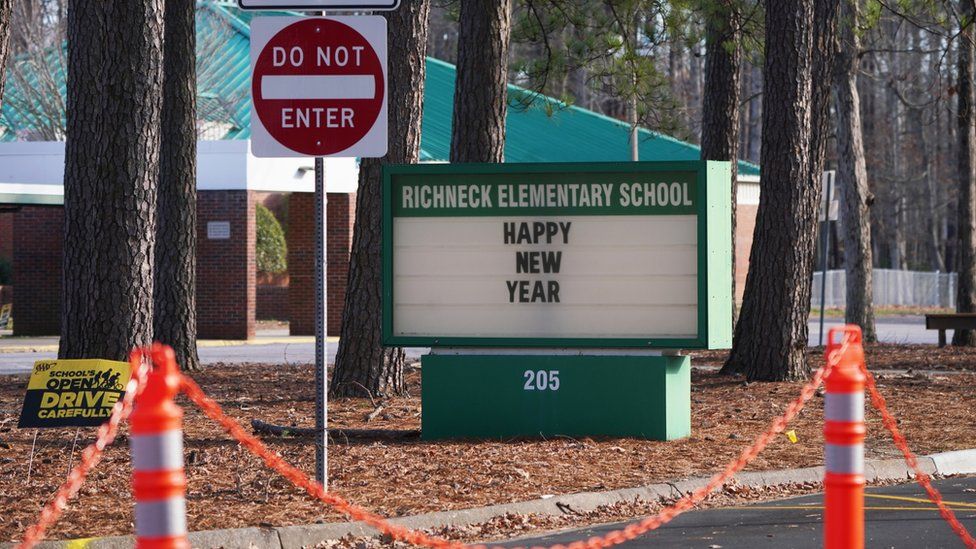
6 271
272 251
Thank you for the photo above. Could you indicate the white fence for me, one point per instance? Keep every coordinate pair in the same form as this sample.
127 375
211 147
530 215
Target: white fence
892 289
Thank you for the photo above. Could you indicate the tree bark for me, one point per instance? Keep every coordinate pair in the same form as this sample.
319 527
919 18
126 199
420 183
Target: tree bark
363 366
175 317
771 335
481 90
966 224
6 13
852 177
752 125
110 174
720 108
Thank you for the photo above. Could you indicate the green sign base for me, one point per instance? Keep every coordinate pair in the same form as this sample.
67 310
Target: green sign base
504 396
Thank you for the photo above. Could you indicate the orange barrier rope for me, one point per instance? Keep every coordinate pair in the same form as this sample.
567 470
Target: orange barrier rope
300 479
920 476
92 454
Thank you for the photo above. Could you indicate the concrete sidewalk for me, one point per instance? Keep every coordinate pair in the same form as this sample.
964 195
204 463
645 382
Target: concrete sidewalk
10 344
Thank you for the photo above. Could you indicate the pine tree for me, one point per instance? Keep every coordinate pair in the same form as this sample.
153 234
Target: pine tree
174 296
363 366
110 176
481 90
771 335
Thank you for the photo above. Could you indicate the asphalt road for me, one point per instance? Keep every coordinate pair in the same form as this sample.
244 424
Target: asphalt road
271 353
895 517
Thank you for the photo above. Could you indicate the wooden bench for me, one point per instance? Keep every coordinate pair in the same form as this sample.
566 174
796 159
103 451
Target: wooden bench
950 321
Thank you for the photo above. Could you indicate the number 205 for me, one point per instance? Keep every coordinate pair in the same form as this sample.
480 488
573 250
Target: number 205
541 380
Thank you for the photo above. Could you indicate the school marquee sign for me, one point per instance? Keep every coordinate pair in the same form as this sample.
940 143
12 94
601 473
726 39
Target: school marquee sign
633 254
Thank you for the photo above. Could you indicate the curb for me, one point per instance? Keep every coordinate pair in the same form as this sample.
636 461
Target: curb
959 462
261 341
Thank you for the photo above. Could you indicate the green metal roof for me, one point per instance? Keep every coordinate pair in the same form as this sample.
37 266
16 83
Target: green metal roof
547 131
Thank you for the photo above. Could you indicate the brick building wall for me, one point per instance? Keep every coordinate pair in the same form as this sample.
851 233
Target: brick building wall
272 302
6 252
341 213
225 268
6 234
745 225
37 251
226 293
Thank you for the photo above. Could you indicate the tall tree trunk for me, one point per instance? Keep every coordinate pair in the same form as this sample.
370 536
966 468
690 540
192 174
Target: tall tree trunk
966 286
720 108
175 316
771 335
932 201
852 176
6 13
363 366
110 174
753 123
481 90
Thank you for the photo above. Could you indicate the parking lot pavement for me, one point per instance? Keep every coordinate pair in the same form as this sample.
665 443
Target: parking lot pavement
895 516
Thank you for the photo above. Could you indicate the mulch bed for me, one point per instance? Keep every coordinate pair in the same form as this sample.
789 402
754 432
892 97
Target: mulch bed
883 357
230 488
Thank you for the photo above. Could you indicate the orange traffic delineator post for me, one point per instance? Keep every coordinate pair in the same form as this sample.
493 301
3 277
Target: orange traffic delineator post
156 443
844 442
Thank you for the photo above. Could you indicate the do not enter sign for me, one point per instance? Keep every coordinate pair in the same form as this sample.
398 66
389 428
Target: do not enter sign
318 86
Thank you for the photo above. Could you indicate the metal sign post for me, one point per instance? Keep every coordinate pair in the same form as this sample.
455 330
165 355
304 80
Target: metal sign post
318 89
828 181
321 329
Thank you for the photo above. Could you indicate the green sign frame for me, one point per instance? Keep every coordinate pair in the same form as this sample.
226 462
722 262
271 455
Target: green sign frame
712 206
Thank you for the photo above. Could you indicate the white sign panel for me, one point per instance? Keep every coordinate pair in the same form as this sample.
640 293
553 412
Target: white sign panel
596 277
218 230
829 190
319 86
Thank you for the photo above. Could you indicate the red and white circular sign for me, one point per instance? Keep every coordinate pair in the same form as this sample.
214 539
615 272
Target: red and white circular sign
318 87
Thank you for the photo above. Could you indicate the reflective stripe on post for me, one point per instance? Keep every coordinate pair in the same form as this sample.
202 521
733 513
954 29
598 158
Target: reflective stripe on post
844 437
156 445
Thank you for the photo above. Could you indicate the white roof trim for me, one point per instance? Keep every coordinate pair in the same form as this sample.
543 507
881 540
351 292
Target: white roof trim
33 168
